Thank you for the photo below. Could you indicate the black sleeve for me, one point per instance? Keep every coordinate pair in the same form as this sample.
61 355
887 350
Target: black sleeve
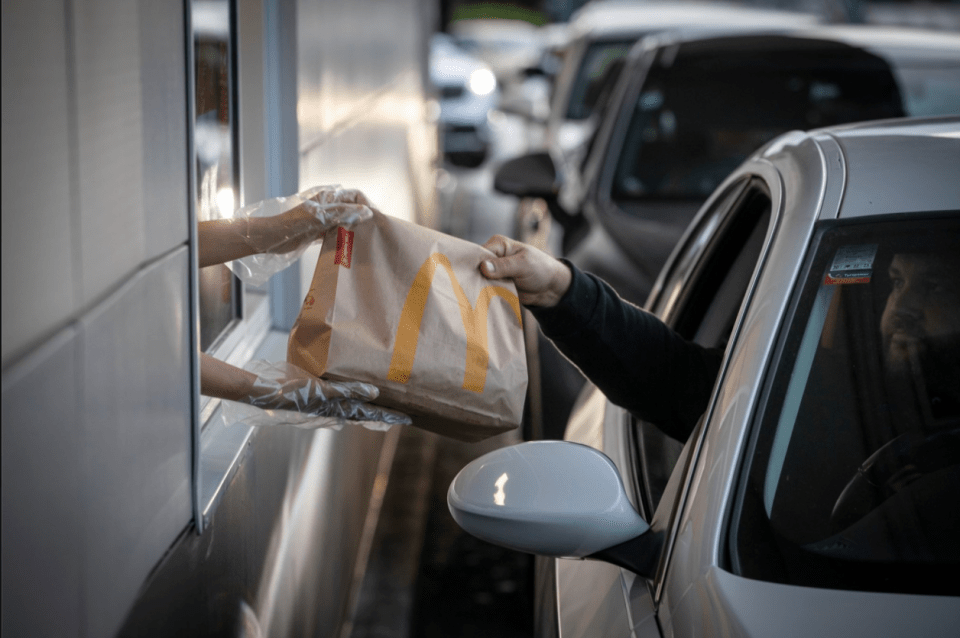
634 358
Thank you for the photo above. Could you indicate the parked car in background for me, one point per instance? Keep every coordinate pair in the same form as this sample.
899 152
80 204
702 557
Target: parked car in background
467 91
686 111
601 33
816 495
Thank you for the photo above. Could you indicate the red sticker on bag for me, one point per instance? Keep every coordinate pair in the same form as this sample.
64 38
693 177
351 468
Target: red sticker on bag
344 247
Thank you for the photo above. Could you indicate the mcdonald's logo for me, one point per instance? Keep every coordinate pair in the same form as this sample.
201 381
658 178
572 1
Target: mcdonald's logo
474 324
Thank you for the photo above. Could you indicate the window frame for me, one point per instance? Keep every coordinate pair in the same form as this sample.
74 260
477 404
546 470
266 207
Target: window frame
688 281
693 249
219 450
225 341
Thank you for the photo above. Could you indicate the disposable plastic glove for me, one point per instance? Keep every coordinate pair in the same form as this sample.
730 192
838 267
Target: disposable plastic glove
279 230
284 394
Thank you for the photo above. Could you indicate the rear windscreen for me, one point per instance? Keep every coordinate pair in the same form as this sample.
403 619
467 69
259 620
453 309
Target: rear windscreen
704 110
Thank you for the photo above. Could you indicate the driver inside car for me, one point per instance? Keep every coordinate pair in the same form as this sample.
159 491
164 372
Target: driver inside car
920 329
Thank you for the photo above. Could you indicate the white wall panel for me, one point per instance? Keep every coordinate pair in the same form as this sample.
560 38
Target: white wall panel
41 468
38 258
137 445
164 101
110 142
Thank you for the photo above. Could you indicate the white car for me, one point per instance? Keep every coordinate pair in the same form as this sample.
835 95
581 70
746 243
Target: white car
817 496
467 92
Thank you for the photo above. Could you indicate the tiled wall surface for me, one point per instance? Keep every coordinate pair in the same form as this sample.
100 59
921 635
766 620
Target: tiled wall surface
96 458
94 124
96 378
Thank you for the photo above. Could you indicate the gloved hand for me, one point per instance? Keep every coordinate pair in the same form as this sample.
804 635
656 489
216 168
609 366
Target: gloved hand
284 394
275 232
321 209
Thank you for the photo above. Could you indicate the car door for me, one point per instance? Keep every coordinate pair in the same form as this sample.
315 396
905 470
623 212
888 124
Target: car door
700 296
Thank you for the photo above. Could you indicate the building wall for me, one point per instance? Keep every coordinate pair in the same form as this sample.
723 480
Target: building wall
98 415
96 366
361 109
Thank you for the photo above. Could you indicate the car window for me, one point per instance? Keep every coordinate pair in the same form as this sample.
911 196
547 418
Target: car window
591 75
855 465
929 90
707 306
700 114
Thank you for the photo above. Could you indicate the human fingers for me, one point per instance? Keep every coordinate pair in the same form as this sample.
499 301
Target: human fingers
349 390
352 196
501 266
335 214
540 279
362 411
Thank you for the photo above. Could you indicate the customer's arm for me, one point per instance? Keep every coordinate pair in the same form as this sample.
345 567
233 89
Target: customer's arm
632 356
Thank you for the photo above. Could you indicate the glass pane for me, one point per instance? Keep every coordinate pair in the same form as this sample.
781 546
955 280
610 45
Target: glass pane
931 90
701 115
857 471
213 141
593 69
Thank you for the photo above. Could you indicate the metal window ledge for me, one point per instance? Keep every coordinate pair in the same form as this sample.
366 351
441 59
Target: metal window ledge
223 447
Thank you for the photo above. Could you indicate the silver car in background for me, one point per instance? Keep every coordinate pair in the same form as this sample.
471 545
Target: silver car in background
818 494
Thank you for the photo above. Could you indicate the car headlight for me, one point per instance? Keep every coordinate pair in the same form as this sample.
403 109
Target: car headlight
482 82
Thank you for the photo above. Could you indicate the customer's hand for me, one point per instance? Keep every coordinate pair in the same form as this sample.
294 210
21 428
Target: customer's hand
541 280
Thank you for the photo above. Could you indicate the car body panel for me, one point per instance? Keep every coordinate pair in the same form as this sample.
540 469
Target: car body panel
593 599
807 175
882 158
697 548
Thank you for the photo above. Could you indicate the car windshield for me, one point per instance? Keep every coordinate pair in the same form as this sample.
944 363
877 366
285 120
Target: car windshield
703 110
593 70
856 466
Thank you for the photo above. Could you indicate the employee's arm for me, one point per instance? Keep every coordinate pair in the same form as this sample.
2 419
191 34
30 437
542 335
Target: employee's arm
221 380
223 240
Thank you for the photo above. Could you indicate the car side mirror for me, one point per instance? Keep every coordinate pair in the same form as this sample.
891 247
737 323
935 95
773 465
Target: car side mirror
552 498
532 175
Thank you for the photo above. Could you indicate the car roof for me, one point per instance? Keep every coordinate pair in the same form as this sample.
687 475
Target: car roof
899 166
900 43
609 20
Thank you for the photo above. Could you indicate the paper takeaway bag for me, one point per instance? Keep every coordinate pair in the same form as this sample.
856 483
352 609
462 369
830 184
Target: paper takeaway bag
406 309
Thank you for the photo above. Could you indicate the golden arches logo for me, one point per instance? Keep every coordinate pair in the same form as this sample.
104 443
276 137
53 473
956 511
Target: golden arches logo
474 323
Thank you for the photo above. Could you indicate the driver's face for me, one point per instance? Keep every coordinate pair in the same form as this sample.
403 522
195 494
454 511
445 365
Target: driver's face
923 309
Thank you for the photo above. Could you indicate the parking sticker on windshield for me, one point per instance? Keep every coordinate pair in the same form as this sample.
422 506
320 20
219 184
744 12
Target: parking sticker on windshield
852 265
